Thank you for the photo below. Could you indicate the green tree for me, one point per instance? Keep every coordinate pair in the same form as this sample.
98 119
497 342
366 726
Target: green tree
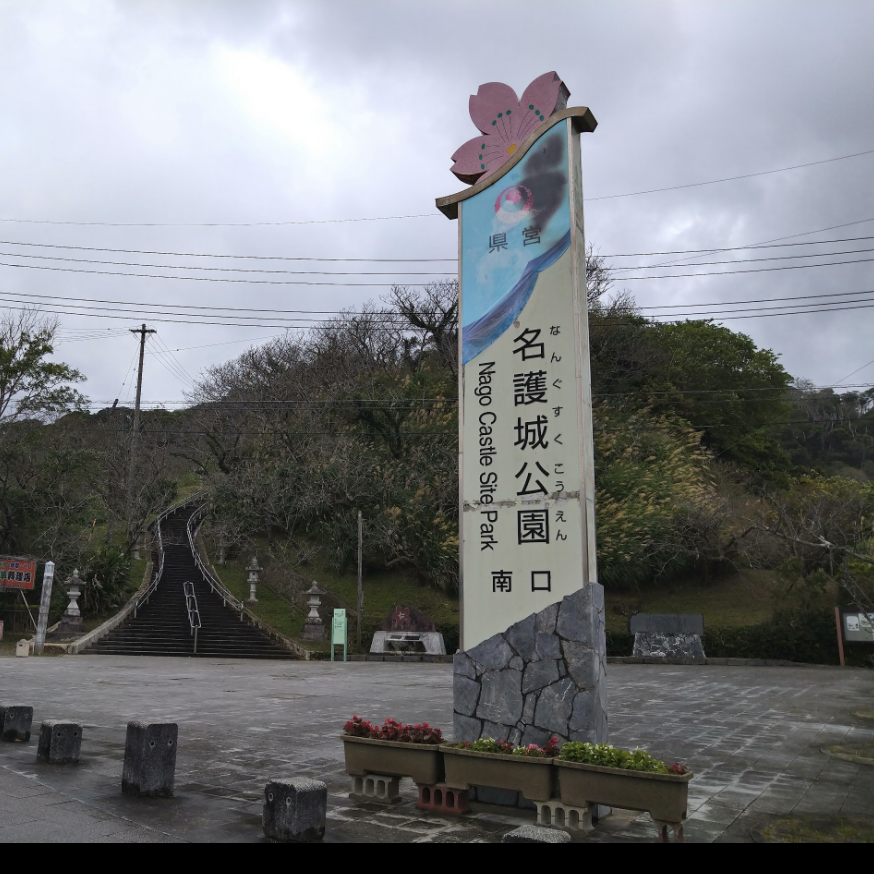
724 386
32 386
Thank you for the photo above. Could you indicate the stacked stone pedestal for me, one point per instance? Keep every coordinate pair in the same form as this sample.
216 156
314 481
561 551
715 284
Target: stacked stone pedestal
544 676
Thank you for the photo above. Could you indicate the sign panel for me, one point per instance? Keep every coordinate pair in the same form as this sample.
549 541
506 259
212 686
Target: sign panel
338 627
858 626
527 484
17 573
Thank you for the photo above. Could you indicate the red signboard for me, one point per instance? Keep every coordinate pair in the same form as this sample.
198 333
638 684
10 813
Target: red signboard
17 573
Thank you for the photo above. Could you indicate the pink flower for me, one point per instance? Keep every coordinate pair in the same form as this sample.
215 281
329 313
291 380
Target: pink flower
505 122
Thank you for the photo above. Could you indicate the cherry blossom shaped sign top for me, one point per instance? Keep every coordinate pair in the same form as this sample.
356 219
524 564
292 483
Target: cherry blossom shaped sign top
506 121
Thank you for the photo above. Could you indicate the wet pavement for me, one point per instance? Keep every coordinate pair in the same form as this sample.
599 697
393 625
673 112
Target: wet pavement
754 736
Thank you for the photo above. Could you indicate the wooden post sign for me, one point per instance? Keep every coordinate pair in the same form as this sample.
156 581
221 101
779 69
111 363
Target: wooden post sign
525 441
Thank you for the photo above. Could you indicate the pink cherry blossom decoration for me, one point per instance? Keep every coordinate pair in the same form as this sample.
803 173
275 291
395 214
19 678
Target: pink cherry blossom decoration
506 121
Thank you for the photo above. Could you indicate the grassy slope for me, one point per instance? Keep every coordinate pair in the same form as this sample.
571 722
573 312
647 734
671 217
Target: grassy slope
382 591
742 599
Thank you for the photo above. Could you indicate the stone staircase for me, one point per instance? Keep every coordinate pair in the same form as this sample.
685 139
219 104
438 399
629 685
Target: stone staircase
161 627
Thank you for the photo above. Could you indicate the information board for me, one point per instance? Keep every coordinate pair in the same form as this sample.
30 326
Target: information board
858 626
17 573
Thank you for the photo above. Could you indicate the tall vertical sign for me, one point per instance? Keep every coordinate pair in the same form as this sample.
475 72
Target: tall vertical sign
526 453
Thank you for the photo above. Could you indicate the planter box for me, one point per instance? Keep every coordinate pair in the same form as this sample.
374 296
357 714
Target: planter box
664 796
364 755
534 778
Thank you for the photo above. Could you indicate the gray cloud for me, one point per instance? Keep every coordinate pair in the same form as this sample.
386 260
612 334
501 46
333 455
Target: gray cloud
269 111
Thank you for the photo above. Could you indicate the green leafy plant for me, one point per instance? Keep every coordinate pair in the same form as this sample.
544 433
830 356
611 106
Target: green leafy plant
608 756
485 745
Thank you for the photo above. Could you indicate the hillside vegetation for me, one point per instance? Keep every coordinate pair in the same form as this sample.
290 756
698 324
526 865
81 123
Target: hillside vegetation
724 484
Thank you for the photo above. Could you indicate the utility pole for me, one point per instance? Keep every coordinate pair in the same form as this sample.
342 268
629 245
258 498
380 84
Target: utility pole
135 434
360 577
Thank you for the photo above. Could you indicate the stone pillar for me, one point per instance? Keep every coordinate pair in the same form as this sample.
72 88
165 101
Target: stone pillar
314 628
544 676
253 570
71 621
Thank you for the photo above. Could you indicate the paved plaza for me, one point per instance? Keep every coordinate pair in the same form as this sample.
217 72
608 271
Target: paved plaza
754 736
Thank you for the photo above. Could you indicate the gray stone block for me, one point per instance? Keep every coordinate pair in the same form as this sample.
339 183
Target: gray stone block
493 654
533 735
666 623
554 707
465 694
15 722
501 697
465 728
575 617
521 637
528 709
496 730
581 663
536 834
59 742
598 598
150 759
462 665
583 714
295 810
516 664
547 646
544 621
678 647
539 674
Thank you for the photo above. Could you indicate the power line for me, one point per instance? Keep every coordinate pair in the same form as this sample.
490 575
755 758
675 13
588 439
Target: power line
760 300
381 218
415 215
728 272
203 278
245 269
239 257
713 251
732 178
856 370
732 261
261 271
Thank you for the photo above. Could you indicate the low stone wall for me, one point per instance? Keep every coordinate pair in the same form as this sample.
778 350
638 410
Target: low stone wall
672 636
76 646
544 676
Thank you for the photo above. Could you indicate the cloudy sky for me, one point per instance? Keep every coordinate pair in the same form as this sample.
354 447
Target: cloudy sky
249 128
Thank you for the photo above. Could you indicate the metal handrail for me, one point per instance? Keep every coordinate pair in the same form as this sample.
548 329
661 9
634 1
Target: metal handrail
144 598
193 612
214 583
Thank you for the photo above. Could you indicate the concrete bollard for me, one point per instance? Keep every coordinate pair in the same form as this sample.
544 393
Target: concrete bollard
150 759
295 810
535 834
59 742
22 649
15 721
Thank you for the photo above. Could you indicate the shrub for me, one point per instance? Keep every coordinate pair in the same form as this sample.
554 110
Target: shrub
608 756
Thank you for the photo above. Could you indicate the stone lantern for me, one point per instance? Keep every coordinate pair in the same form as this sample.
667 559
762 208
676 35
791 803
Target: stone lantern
314 628
253 570
71 621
